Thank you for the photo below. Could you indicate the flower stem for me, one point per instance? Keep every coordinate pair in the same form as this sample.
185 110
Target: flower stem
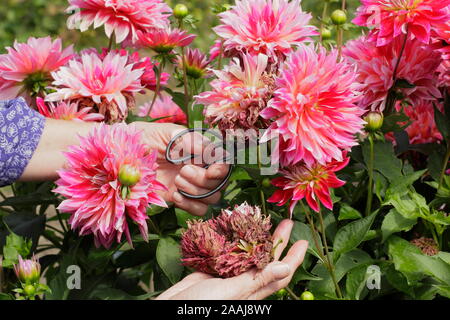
370 172
261 192
160 69
111 42
187 97
322 24
292 294
444 168
329 260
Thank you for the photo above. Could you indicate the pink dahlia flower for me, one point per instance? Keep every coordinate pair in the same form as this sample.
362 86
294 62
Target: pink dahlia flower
271 27
314 108
239 94
444 74
29 64
392 18
310 182
109 178
110 83
229 245
28 270
122 17
165 40
196 63
67 111
164 107
376 66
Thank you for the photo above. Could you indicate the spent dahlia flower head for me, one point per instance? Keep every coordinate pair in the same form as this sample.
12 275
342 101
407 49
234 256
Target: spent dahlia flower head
29 64
376 66
165 40
109 82
229 245
271 27
67 111
393 18
164 107
124 18
239 93
313 108
28 270
310 182
109 178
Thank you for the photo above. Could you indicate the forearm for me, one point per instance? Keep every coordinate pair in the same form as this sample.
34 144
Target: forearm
57 136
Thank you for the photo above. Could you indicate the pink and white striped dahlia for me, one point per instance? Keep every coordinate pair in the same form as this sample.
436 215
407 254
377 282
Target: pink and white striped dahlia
444 74
27 65
229 245
67 111
109 178
165 40
376 66
122 17
310 182
271 27
164 107
392 18
239 94
110 83
314 108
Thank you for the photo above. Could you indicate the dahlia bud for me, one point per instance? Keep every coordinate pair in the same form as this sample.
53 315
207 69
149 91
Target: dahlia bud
326 33
306 295
266 183
29 290
180 11
129 175
28 271
230 244
339 17
374 121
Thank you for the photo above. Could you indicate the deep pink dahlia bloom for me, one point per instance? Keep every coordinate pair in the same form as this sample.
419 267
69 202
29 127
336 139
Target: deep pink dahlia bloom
230 244
196 63
110 83
239 94
313 108
28 63
165 40
310 182
164 107
271 27
67 111
93 184
376 66
122 17
392 18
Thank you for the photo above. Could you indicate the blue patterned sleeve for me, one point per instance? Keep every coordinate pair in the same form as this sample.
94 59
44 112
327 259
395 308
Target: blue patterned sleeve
20 131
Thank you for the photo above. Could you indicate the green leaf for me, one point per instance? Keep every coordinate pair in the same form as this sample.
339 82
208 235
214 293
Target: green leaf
397 279
348 213
443 123
105 293
433 266
443 291
15 246
391 123
394 222
402 184
183 217
351 235
356 283
385 160
301 231
168 256
444 256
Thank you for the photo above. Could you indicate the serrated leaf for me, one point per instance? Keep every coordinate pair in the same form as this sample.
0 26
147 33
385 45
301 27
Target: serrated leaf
168 256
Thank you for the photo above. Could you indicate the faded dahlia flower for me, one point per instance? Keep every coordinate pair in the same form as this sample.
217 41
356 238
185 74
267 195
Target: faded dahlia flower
196 63
122 17
165 40
28 66
314 108
427 245
109 178
28 270
392 18
310 182
376 66
239 94
164 107
229 245
271 27
107 84
67 111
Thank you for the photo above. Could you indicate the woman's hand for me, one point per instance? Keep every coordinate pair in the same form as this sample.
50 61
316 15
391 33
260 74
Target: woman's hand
252 285
189 178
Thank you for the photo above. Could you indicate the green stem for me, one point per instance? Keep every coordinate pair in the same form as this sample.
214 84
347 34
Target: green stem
160 70
444 168
154 227
314 234
261 192
370 172
111 40
187 97
329 260
322 25
292 294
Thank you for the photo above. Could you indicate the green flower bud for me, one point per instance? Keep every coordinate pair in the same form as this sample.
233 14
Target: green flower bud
281 293
326 33
266 183
29 290
129 175
180 11
339 17
306 295
374 121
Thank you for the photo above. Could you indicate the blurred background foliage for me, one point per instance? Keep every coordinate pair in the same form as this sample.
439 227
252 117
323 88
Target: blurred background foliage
20 19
